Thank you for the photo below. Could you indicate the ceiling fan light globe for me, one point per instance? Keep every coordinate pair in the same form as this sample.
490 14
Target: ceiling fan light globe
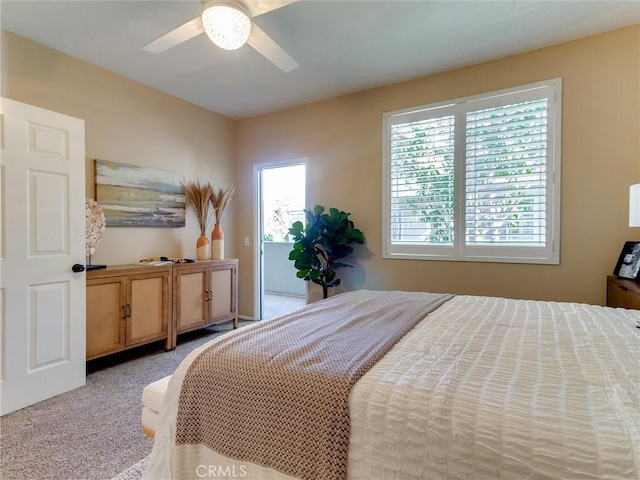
226 26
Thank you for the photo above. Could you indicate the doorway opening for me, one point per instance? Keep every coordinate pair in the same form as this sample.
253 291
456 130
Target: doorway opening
282 195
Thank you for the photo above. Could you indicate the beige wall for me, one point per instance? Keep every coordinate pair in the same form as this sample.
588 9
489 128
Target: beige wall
342 141
127 122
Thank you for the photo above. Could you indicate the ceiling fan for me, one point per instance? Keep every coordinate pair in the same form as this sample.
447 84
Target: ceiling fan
228 24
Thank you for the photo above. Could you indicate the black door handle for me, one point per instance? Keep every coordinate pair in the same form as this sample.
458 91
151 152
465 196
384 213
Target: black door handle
77 268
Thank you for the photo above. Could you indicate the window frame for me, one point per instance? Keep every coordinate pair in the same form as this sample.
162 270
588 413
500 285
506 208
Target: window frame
459 251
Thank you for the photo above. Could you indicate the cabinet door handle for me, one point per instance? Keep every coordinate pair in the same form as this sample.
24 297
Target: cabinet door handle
210 294
124 312
128 310
206 296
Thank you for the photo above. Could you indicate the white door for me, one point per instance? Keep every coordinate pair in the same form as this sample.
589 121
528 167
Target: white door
42 301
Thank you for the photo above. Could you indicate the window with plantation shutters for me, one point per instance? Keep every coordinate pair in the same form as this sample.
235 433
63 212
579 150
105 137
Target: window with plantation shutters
475 178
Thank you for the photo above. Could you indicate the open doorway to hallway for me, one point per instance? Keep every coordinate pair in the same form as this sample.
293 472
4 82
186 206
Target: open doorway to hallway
281 202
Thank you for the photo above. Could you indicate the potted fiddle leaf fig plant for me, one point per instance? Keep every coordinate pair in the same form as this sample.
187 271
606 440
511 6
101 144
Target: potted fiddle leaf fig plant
319 244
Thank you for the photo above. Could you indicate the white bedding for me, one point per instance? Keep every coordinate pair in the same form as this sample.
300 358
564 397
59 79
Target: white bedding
483 388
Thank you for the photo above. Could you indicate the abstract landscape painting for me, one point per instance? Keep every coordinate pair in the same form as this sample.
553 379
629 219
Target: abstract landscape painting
133 196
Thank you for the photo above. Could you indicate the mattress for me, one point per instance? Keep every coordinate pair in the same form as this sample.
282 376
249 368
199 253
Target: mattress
482 388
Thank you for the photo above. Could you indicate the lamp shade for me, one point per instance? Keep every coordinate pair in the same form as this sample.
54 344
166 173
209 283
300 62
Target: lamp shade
227 26
634 205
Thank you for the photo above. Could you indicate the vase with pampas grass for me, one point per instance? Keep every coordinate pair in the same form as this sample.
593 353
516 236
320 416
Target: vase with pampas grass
220 200
199 197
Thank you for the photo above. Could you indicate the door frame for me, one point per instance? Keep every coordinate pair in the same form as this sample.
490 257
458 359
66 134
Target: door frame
258 251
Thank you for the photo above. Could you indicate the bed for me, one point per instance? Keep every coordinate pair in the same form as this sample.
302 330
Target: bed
479 388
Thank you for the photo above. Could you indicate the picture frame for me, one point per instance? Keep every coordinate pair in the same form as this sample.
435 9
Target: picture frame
628 265
136 196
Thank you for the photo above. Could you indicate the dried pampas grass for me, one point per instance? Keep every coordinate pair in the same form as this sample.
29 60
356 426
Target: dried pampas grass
198 196
221 200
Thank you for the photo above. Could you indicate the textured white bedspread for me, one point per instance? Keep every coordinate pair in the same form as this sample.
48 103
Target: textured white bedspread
483 388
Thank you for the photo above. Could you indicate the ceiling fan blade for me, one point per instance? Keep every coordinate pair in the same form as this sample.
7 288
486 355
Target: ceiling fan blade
175 37
264 44
258 7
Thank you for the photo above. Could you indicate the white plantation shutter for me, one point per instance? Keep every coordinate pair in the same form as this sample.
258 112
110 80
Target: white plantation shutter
476 178
422 181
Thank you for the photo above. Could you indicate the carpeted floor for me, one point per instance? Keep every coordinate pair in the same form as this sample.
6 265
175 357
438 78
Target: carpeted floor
93 432
134 472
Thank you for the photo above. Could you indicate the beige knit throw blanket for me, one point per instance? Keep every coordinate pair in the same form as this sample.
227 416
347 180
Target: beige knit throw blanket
277 394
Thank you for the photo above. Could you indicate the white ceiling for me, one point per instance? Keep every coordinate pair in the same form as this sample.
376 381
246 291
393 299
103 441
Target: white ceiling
341 46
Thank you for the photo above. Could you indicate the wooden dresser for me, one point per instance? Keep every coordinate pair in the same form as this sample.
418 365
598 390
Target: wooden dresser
623 293
132 305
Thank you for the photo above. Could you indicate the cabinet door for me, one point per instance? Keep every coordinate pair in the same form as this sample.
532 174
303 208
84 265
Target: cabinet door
147 307
106 298
619 295
191 299
222 287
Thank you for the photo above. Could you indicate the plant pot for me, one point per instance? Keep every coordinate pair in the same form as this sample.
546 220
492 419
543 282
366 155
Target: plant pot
217 243
203 247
